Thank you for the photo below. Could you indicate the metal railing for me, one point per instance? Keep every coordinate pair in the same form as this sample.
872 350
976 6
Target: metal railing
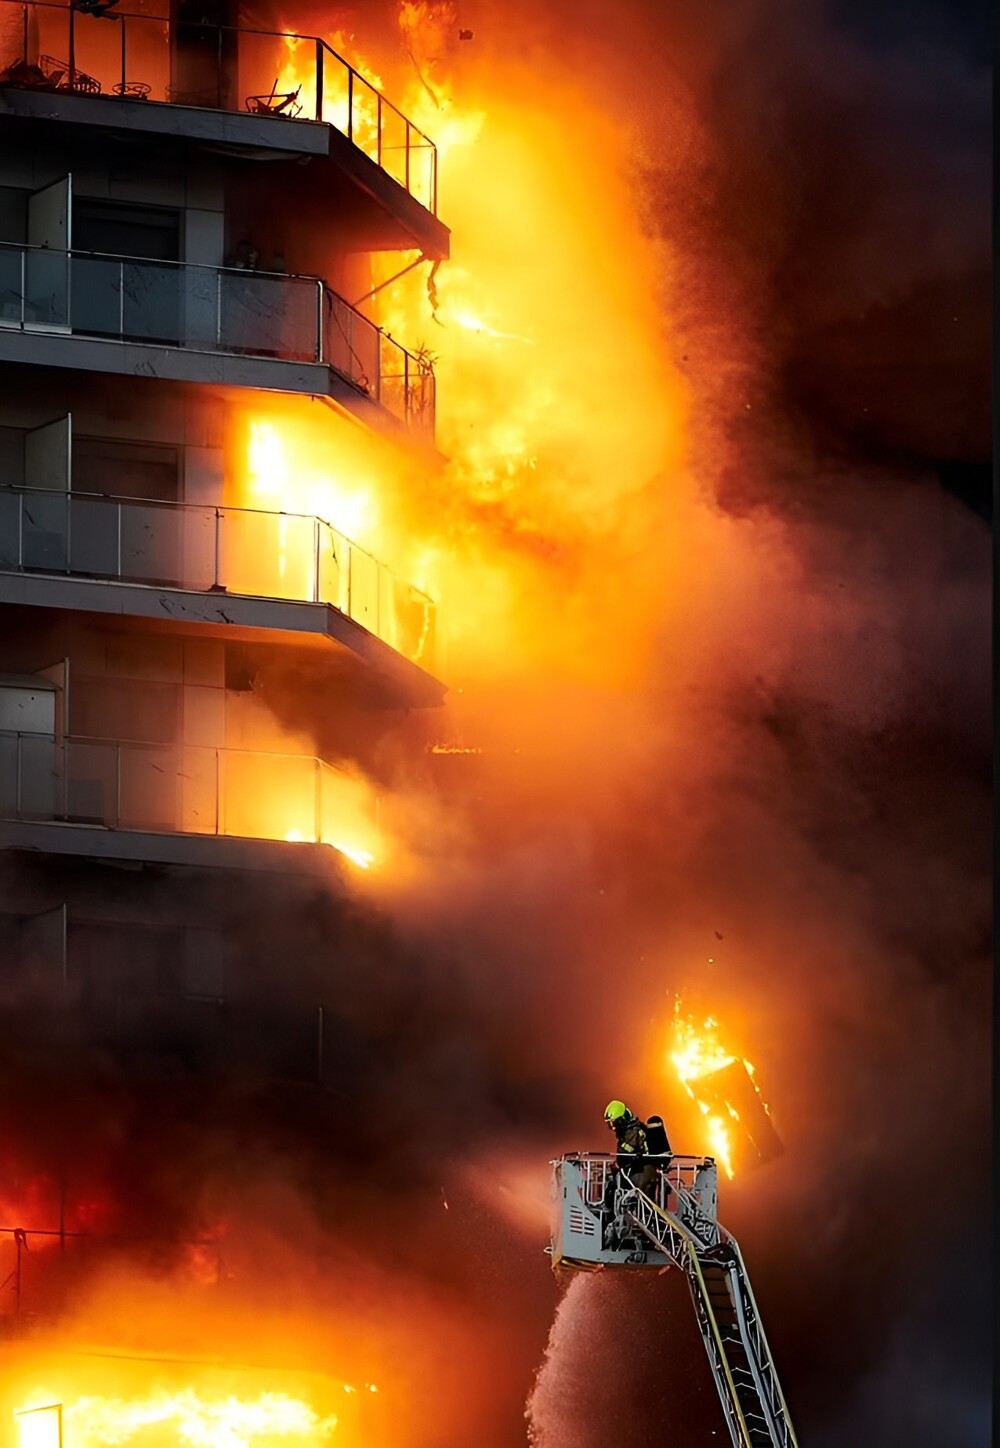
674 1189
55 47
214 309
182 789
401 381
213 549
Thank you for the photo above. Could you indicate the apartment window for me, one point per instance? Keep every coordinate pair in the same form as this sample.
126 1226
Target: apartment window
203 965
126 709
11 457
125 469
27 747
122 230
130 291
13 215
108 959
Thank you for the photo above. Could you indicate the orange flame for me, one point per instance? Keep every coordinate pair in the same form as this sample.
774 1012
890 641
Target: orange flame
203 1422
696 1052
351 106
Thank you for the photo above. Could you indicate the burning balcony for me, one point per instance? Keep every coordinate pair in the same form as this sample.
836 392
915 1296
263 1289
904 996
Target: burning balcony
263 321
184 789
215 550
145 61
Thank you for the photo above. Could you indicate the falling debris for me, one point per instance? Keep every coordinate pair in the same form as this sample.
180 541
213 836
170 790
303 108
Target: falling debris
722 1085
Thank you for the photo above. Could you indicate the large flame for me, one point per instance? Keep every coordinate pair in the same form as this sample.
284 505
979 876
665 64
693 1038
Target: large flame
191 1417
696 1052
557 405
285 473
349 104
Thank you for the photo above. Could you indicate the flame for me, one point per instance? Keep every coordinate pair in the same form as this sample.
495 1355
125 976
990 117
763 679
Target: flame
471 323
364 858
543 446
351 107
344 817
282 474
188 1417
183 1416
696 1051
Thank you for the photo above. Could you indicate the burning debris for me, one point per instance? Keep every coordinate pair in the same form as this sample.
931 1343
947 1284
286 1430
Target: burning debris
724 1088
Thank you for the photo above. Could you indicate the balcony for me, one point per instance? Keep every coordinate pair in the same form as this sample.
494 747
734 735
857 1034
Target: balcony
255 323
178 789
143 61
213 550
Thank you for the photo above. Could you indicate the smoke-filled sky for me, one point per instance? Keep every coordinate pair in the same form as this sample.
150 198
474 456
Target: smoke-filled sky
780 735
719 618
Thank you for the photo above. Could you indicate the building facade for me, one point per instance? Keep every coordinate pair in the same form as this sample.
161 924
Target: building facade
196 672
180 237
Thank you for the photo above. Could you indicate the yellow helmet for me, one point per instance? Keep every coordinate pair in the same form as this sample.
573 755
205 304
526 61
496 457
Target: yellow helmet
615 1111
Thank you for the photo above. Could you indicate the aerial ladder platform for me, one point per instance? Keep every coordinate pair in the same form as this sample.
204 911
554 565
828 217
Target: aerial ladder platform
602 1221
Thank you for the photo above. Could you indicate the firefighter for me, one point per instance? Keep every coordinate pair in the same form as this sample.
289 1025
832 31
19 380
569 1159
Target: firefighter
630 1135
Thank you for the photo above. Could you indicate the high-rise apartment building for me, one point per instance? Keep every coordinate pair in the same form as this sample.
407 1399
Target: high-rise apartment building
200 663
188 211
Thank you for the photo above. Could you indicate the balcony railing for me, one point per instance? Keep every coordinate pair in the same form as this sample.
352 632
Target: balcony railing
183 789
52 47
213 549
214 309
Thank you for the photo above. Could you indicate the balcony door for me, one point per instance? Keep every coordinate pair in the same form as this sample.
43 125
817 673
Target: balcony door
125 520
129 286
44 509
27 746
46 300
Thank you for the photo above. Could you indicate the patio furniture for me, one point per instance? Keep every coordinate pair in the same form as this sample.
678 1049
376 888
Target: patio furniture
275 104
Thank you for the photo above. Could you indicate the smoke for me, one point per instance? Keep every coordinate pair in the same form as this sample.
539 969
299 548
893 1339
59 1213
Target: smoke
718 619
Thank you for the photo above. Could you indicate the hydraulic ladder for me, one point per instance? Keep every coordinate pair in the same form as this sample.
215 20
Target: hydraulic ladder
603 1221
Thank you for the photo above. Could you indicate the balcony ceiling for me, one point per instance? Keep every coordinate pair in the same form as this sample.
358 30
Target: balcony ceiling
218 369
226 852
340 646
373 208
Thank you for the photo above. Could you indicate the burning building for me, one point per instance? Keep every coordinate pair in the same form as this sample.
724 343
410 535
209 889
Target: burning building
202 654
304 977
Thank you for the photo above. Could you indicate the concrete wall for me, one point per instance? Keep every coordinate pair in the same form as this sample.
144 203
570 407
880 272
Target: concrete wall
188 418
195 189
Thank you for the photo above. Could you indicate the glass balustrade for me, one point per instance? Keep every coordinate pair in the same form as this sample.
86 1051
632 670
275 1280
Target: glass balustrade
57 48
184 789
213 309
213 549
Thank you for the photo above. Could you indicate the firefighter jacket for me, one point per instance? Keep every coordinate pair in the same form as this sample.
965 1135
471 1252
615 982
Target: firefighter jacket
631 1144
